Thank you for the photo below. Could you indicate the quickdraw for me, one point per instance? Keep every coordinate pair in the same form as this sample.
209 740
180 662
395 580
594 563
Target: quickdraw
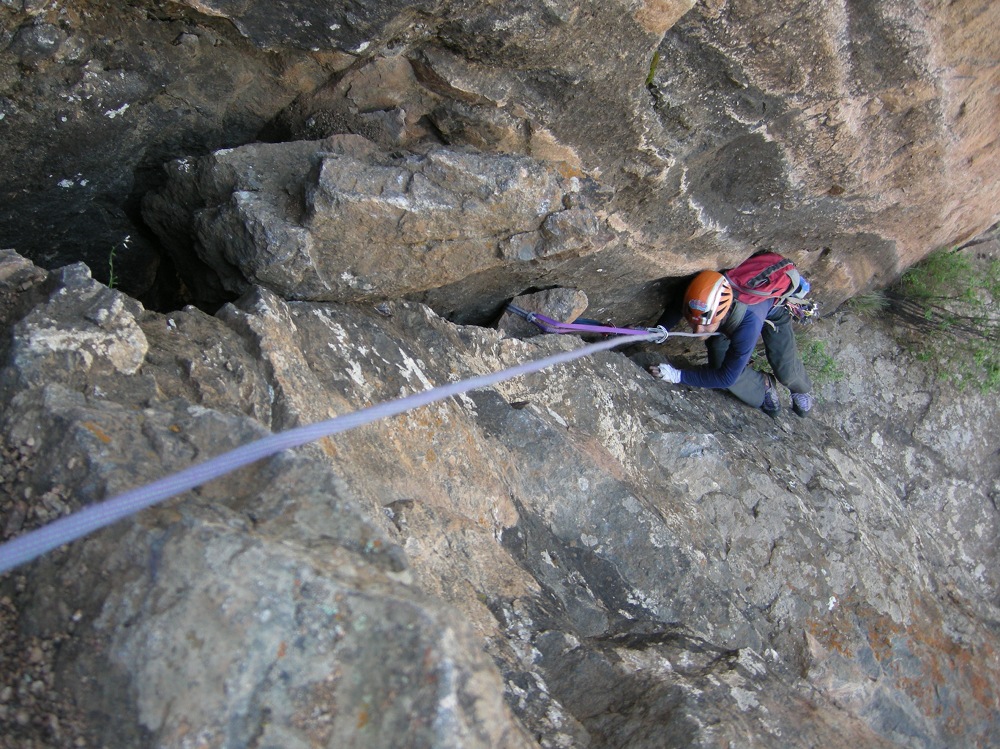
802 311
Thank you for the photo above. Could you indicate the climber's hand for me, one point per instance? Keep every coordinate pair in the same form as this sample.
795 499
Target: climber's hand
666 373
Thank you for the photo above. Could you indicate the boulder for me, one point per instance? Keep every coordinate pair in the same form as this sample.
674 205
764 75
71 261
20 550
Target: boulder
340 220
563 305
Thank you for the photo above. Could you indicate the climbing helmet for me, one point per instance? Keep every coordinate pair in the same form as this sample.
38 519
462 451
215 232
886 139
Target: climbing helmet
708 298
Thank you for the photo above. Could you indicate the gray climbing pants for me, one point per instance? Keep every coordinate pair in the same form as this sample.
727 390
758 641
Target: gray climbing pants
782 355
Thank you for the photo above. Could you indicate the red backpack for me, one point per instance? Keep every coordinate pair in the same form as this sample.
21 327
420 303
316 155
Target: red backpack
767 275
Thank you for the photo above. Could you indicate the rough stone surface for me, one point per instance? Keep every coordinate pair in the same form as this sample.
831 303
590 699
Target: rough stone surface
95 96
580 557
84 322
340 220
854 137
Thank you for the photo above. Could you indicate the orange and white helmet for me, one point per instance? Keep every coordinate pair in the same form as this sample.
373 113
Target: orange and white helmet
707 299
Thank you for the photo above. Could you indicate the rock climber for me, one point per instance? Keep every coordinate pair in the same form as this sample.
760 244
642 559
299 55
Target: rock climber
710 306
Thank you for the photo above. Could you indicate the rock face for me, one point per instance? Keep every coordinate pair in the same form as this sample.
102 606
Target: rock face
340 220
855 138
581 557
578 558
95 96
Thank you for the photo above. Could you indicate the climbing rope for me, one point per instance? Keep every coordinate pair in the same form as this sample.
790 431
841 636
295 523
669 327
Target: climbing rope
549 325
72 527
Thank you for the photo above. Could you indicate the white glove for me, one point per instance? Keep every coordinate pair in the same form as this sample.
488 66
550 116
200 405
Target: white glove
666 373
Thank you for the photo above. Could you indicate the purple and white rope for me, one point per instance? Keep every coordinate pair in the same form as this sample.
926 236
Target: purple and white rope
659 334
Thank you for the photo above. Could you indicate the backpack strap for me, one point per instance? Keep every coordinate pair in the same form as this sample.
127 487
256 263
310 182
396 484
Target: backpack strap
761 278
795 279
736 314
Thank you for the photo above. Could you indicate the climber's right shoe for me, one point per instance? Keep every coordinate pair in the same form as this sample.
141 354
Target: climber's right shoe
802 403
772 400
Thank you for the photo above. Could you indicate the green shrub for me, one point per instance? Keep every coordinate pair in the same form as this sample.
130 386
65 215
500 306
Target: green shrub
821 367
947 309
870 304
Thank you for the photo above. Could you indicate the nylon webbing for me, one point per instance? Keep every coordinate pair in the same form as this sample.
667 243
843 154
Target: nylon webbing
72 527
659 334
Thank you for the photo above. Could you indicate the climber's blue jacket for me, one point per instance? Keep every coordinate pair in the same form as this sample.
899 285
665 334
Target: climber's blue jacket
742 327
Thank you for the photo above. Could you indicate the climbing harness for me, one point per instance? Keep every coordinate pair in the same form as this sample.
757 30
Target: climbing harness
72 527
548 325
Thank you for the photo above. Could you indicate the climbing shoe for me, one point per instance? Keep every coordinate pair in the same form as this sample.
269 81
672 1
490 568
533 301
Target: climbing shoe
772 401
801 403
